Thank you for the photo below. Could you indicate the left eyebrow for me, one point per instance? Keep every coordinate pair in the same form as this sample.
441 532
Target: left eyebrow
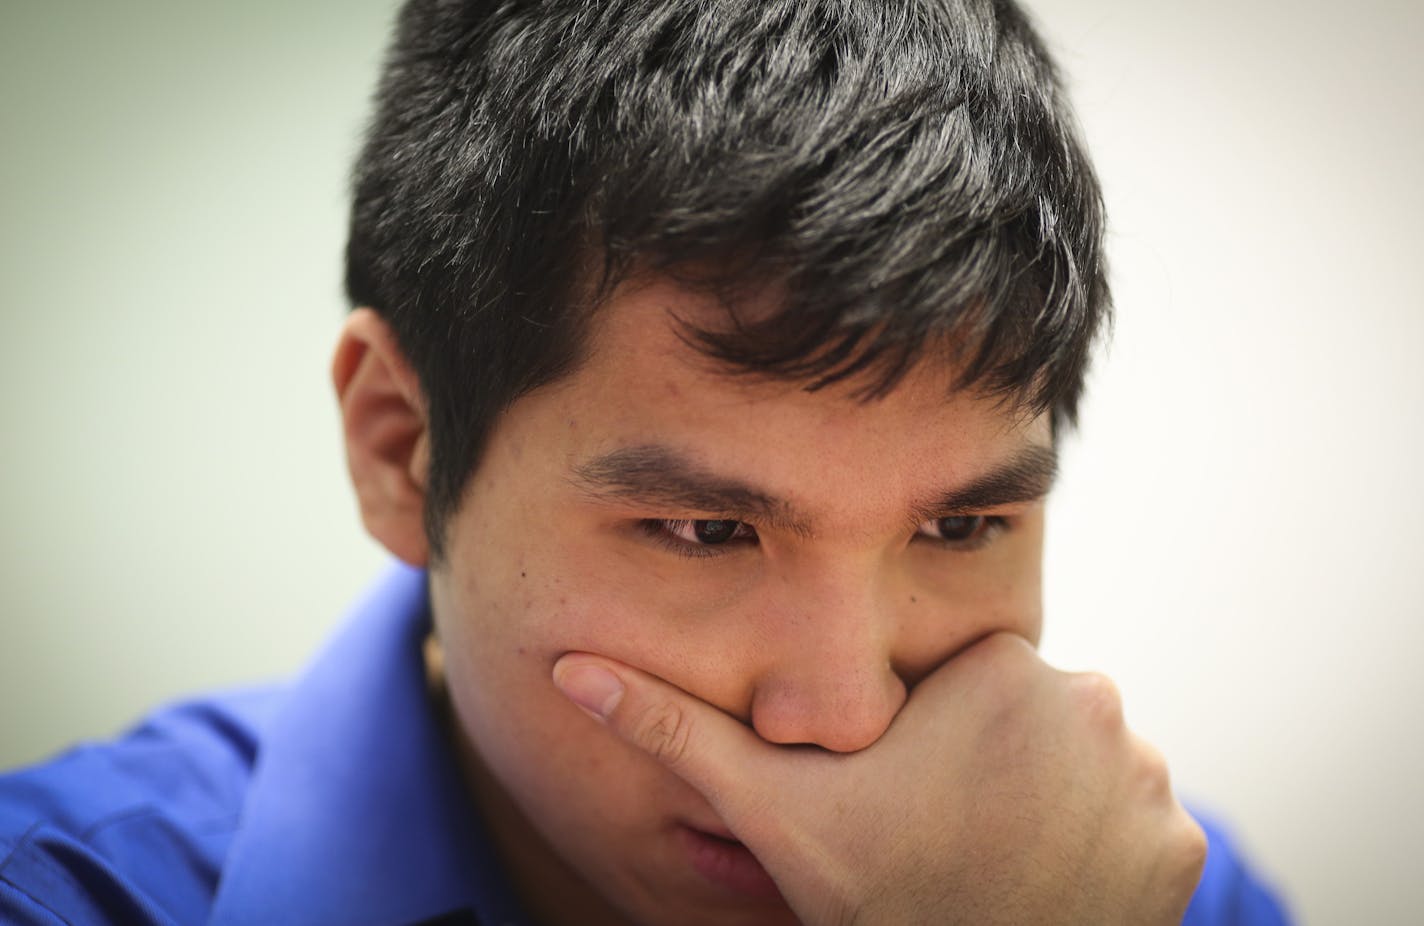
1027 476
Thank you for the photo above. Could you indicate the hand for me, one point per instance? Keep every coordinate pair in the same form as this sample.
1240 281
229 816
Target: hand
1004 791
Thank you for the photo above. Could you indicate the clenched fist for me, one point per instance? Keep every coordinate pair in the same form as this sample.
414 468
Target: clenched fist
1005 791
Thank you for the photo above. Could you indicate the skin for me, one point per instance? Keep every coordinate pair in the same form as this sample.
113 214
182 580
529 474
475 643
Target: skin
820 630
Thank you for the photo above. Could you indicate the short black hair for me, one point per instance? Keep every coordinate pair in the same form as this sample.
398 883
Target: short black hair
906 172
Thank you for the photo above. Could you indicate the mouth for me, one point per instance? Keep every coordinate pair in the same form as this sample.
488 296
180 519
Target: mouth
721 859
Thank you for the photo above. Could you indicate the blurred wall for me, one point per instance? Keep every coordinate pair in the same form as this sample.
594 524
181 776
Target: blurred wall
172 209
1236 537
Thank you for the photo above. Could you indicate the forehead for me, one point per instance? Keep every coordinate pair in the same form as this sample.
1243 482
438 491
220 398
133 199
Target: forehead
642 383
643 329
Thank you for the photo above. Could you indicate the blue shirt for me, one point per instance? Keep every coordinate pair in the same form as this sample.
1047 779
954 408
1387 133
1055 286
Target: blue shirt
335 800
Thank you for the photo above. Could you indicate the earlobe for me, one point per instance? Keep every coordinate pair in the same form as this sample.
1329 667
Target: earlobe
387 442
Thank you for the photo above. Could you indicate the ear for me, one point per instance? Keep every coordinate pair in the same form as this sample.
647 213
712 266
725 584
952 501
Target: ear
387 439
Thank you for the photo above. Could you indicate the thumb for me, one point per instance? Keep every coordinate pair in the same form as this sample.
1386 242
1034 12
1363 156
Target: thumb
710 750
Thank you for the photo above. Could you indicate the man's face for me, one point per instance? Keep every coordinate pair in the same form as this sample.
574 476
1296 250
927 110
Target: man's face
799 560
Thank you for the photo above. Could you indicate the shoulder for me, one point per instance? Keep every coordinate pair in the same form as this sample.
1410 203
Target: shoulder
139 825
1231 892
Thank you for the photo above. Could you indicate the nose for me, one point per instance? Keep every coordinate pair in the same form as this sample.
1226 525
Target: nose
828 679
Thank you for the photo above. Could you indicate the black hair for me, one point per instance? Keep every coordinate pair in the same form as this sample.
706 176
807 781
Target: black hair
905 172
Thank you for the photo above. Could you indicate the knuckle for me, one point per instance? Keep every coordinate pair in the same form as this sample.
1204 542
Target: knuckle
1193 845
1181 860
665 731
1098 696
1152 769
1187 857
1004 663
1007 647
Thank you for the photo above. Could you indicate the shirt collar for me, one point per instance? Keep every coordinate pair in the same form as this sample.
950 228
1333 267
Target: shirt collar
357 814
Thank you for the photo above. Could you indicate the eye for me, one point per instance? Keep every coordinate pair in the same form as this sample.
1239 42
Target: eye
708 533
696 538
962 531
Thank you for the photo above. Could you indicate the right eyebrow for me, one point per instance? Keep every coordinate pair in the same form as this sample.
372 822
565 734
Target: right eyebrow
658 476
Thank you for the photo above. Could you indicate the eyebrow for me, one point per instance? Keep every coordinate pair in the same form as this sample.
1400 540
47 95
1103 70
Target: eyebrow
659 476
1026 477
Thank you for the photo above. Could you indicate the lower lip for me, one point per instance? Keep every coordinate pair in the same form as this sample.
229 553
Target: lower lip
727 864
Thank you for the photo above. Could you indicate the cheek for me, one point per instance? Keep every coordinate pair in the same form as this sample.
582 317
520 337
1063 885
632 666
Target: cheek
945 604
1012 585
589 589
532 600
567 772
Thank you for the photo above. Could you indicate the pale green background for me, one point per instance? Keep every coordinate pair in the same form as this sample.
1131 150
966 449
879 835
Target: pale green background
1237 540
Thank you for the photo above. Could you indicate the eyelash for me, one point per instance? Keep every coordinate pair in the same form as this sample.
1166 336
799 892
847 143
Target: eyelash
664 531
994 526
